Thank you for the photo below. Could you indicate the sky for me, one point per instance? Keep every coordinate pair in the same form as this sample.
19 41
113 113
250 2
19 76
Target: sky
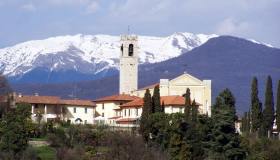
23 20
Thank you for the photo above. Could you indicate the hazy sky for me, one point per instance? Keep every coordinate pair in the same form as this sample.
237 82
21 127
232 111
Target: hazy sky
22 20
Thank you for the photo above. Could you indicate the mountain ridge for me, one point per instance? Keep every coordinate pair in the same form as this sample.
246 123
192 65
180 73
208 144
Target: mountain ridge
89 57
90 54
229 62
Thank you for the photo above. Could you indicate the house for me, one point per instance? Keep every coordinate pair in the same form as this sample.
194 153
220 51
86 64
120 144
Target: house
108 108
131 111
125 110
48 108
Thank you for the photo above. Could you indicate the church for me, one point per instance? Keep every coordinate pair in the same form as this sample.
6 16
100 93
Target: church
124 109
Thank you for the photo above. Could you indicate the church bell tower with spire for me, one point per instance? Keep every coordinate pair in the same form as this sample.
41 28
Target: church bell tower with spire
128 64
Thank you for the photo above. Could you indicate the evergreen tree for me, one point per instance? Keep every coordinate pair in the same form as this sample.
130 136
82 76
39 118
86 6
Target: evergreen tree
156 100
147 111
249 121
5 90
268 113
4 86
188 105
194 111
244 123
15 128
162 107
256 110
225 142
278 107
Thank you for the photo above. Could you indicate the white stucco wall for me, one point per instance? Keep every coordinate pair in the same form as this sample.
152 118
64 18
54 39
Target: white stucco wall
131 112
86 117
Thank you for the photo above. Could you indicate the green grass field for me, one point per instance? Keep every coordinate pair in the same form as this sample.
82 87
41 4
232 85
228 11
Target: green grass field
39 139
45 152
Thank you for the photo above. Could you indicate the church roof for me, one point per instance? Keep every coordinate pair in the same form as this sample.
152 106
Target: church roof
167 100
119 97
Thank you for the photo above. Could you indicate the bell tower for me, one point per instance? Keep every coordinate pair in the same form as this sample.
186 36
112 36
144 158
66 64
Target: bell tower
128 64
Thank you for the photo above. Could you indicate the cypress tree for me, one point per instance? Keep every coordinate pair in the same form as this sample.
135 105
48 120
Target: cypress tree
187 105
268 113
244 124
162 106
278 107
249 121
194 111
146 112
256 110
156 100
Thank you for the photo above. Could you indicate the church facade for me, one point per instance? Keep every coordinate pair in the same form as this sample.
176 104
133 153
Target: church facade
125 108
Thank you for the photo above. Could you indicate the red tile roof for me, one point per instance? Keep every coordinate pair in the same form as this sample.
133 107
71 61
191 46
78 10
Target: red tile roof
115 117
168 100
119 97
38 99
53 100
77 102
126 120
3 98
136 103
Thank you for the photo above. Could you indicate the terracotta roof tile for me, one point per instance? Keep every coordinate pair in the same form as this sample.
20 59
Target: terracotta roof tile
119 97
3 98
77 102
136 103
52 100
115 117
126 120
38 99
168 100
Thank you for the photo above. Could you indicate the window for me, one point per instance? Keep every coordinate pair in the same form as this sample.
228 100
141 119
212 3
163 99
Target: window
85 121
85 110
125 112
136 111
128 112
130 50
74 109
102 105
102 114
181 110
122 49
36 106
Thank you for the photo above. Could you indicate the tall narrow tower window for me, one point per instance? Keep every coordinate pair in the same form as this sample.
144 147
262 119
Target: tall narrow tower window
130 50
122 49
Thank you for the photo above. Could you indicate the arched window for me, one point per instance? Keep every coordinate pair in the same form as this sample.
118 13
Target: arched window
78 120
130 50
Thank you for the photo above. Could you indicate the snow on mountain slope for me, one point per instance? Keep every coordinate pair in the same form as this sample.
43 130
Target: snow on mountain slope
91 54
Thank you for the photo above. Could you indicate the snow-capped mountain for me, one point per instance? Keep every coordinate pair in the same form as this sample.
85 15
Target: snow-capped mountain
90 54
